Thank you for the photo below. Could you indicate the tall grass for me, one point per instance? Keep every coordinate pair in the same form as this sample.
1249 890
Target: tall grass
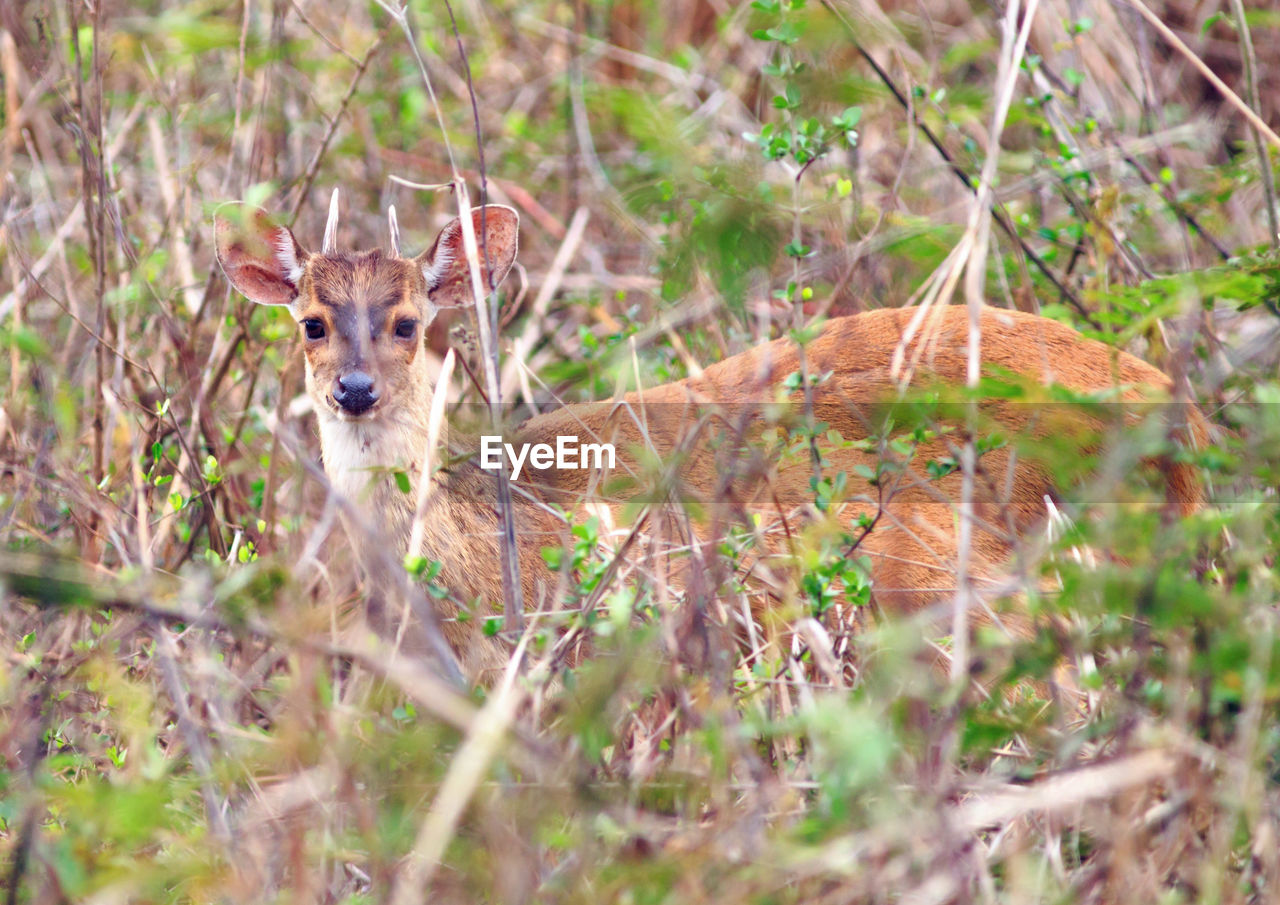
185 714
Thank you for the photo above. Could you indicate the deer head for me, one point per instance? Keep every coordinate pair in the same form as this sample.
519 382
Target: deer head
362 314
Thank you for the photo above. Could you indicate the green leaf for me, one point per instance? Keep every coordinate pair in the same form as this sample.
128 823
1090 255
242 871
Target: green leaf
28 342
848 119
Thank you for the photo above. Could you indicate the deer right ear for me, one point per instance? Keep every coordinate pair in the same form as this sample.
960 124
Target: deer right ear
262 260
444 264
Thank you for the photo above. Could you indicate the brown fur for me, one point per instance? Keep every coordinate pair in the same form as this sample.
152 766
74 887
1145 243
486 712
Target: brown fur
913 547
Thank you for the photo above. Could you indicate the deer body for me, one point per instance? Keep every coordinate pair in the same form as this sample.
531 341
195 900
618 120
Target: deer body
363 315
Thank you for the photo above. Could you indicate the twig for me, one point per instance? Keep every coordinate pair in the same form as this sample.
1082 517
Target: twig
475 122
400 15
336 48
1199 65
1129 152
241 57
486 319
304 189
1249 64
72 221
466 769
518 195
13 122
426 475
486 309
523 343
1066 791
179 246
50 577
486 302
93 230
1001 218
215 805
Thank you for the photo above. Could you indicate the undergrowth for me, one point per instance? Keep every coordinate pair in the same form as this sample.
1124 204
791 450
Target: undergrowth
185 715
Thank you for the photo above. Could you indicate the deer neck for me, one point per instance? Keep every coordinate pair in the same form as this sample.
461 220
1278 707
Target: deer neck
358 454
370 461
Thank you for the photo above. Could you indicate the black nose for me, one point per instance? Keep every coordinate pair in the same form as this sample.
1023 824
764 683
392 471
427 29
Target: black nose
355 392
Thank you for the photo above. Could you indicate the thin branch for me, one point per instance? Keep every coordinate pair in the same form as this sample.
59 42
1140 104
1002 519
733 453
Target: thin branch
336 48
487 308
304 189
475 121
400 15
196 742
485 313
1001 218
241 55
1199 65
466 770
1129 154
1249 64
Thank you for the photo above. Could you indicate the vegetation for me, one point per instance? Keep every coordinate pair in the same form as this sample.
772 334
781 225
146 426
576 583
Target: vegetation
186 714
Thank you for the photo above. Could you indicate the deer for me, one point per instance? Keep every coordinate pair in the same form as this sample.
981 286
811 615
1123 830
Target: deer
362 317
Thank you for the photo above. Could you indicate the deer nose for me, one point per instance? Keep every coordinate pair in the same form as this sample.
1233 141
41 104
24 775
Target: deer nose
355 392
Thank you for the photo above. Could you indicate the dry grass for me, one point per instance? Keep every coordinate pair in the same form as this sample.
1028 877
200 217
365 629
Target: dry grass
182 716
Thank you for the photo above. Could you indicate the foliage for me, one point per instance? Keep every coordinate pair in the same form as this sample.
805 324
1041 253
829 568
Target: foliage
187 714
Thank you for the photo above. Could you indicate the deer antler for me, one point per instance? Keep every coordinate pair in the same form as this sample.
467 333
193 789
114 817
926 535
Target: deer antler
395 231
331 228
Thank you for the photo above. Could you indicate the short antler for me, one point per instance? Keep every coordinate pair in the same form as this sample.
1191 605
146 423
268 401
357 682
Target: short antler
330 245
362 315
395 231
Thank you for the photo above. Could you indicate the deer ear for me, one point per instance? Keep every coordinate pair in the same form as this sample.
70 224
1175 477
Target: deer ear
262 260
444 264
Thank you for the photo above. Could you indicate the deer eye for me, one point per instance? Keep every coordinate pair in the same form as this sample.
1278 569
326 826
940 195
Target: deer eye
313 328
406 328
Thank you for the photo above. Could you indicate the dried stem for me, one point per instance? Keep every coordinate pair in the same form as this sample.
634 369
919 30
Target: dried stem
1209 75
1249 65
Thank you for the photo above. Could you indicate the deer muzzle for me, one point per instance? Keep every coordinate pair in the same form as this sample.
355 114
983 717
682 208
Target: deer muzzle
355 392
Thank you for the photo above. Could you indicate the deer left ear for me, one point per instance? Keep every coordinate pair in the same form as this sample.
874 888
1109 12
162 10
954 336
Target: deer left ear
261 259
444 264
